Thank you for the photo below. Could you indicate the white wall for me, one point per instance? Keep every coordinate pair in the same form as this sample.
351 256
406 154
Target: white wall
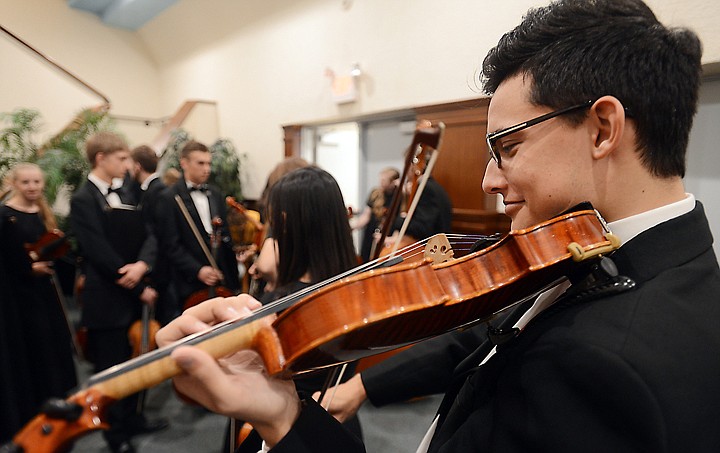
115 62
264 61
703 159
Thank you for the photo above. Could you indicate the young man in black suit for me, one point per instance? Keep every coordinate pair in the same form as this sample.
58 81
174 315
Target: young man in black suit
592 101
185 214
117 251
151 187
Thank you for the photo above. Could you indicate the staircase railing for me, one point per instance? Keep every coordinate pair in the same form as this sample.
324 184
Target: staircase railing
161 141
106 101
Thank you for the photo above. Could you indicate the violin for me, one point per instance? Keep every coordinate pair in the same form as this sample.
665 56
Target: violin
50 246
142 339
141 333
254 236
53 245
257 226
356 314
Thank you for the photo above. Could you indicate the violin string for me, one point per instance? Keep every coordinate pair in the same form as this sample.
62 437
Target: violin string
273 307
225 326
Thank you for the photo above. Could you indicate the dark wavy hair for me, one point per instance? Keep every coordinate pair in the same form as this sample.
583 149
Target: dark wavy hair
578 50
309 221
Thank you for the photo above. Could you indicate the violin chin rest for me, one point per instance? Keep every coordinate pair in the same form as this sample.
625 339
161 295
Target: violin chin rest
60 409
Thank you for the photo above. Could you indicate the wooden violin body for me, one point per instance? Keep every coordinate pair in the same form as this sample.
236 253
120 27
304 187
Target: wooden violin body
206 294
381 310
51 246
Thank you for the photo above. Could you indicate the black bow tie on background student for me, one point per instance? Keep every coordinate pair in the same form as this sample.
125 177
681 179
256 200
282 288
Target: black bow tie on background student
202 188
116 190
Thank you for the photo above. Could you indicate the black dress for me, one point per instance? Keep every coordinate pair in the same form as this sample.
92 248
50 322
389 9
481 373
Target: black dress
35 345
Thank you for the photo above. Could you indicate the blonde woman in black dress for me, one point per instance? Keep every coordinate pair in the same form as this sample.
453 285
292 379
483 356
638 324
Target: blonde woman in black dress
35 344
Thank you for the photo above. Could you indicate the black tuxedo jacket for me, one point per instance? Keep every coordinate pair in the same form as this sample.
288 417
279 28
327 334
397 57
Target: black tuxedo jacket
635 371
183 250
149 200
105 303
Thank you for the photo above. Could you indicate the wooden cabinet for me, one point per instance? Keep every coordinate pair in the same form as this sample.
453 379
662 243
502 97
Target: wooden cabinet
291 137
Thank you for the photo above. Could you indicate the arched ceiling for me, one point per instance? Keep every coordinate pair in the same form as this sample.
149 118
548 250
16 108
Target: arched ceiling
128 14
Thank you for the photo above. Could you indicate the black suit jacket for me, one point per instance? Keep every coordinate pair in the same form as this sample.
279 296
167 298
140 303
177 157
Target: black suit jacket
183 250
427 368
635 371
148 205
433 213
105 303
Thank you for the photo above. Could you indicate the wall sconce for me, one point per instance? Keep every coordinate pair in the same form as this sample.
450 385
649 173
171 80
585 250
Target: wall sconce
344 87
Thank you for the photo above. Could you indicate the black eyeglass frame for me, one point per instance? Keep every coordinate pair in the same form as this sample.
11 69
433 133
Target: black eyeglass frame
493 137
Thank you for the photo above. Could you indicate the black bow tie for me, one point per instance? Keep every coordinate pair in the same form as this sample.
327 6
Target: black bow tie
202 188
114 190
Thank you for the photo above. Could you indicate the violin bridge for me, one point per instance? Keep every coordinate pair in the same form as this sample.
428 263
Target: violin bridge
438 249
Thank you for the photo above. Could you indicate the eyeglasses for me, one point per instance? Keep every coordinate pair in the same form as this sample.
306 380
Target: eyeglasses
495 147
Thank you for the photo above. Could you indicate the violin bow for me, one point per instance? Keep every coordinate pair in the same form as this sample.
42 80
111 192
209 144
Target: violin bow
419 191
425 135
195 231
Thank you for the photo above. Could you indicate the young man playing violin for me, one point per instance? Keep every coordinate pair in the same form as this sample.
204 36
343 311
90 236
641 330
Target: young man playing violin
592 101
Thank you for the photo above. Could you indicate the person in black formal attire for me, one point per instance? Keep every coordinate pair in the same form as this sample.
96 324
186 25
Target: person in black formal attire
433 215
151 187
35 345
187 240
118 251
373 213
263 269
592 101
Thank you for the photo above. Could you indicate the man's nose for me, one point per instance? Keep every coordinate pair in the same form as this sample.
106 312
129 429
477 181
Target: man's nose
493 181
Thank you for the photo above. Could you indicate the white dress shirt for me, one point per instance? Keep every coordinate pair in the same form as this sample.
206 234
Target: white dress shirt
202 204
113 199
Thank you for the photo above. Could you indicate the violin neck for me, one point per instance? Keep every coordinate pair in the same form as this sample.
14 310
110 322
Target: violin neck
150 369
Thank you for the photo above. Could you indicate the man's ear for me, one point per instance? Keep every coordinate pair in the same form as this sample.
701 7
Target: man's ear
609 116
99 158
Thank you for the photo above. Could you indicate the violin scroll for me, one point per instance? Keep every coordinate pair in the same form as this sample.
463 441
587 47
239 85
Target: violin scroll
59 424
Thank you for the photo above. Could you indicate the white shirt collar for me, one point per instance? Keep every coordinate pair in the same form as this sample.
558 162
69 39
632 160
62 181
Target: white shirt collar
629 227
148 180
99 183
190 185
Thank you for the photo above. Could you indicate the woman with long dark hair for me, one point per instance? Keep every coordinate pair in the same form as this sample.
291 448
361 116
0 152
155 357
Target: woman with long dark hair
313 242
